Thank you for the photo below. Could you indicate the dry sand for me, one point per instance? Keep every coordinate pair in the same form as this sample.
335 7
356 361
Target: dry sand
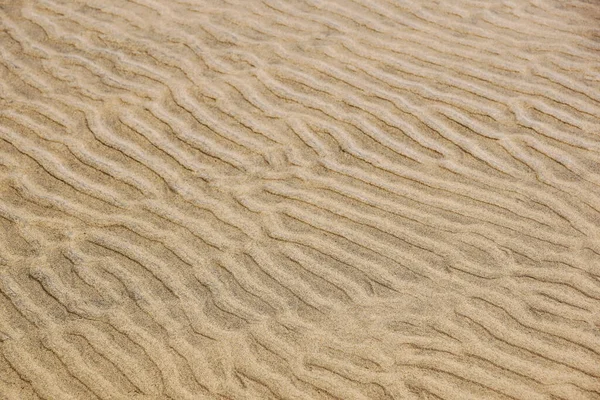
299 199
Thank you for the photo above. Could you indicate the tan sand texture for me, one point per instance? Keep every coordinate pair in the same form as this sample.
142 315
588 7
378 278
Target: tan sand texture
300 199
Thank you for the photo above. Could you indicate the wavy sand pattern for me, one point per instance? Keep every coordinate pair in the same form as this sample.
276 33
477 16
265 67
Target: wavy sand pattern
299 199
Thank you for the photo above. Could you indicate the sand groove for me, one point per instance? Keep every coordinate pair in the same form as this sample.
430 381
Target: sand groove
307 199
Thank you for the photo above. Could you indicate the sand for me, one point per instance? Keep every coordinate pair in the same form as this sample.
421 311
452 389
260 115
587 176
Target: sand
300 199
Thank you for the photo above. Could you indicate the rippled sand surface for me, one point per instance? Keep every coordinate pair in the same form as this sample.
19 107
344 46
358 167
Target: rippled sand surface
300 199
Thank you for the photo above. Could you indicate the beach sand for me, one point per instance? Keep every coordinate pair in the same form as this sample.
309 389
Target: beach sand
299 199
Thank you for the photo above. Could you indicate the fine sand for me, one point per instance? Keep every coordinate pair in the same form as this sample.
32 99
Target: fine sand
300 199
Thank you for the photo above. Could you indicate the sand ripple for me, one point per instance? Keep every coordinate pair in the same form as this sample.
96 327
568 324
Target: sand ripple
304 199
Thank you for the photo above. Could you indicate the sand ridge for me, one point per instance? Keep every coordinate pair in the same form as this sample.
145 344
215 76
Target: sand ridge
304 199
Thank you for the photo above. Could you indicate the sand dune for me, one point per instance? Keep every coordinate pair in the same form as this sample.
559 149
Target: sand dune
299 199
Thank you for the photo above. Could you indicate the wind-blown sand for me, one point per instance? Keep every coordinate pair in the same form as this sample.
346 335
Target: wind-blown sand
299 199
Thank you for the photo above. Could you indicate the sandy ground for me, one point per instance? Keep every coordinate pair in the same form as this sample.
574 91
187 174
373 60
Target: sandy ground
299 199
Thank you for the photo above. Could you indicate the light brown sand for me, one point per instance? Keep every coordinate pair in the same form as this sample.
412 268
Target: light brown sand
299 199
